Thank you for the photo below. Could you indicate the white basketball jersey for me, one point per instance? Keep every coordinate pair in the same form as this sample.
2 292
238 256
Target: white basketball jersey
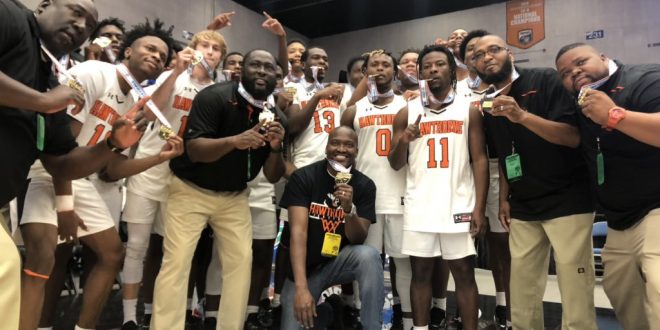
440 191
373 125
104 101
309 146
153 182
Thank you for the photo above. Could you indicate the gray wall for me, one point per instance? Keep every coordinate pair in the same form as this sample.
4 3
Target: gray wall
244 34
630 26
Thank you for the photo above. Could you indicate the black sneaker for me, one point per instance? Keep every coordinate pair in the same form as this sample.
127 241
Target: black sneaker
500 317
324 316
276 316
265 314
210 323
352 318
130 325
193 322
438 318
337 304
252 322
146 322
397 317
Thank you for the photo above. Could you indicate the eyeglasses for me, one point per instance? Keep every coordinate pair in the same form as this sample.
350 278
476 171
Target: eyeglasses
492 51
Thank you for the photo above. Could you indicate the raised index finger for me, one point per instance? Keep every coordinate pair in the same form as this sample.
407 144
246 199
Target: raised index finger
266 14
419 119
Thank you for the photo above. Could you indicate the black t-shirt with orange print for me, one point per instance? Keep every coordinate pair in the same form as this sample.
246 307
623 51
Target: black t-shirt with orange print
312 187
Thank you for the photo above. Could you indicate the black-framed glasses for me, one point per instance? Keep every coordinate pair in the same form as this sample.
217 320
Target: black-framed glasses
492 51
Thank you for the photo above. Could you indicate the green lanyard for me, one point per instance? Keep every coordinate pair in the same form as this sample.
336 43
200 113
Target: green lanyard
41 132
513 165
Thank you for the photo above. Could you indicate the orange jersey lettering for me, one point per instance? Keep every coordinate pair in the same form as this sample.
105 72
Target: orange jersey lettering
104 112
441 127
373 120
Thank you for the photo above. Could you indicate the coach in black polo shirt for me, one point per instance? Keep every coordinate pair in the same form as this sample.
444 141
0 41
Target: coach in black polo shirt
544 192
25 76
226 146
620 133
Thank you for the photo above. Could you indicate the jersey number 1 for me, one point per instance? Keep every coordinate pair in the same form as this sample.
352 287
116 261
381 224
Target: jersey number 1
444 161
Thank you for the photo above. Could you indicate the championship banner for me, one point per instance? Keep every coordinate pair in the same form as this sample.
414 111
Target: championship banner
525 25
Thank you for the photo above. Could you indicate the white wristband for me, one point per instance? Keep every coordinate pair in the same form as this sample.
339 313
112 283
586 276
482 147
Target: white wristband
63 203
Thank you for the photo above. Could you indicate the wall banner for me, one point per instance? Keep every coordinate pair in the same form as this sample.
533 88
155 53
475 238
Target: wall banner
525 25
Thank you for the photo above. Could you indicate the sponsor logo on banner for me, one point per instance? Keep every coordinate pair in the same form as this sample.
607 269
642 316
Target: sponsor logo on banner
525 23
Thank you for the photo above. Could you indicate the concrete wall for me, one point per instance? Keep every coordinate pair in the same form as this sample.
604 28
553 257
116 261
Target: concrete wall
630 26
244 34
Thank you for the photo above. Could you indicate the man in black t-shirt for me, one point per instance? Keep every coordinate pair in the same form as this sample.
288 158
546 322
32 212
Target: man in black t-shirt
227 144
619 125
544 191
25 135
328 222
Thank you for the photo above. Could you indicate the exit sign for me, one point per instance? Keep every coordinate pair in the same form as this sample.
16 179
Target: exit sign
597 34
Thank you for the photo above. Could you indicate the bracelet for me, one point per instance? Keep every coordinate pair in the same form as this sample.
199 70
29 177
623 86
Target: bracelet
113 147
353 210
64 203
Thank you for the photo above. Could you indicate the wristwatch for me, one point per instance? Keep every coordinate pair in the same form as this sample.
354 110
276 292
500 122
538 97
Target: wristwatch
113 147
616 115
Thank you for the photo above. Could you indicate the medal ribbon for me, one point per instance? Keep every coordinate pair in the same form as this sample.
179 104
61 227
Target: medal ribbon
514 75
61 69
123 70
612 69
257 103
338 167
374 95
412 79
315 73
428 98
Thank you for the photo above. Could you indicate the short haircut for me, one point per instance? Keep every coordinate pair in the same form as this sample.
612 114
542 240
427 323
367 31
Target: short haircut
209 35
407 51
105 22
450 60
568 47
354 60
379 52
147 29
224 60
471 35
305 54
248 54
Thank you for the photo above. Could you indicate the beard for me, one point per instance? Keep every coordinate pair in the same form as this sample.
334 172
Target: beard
259 92
493 78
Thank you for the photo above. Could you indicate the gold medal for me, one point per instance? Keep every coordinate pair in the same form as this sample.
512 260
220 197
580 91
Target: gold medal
165 132
487 104
266 116
74 84
582 95
331 244
197 58
342 177
102 42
